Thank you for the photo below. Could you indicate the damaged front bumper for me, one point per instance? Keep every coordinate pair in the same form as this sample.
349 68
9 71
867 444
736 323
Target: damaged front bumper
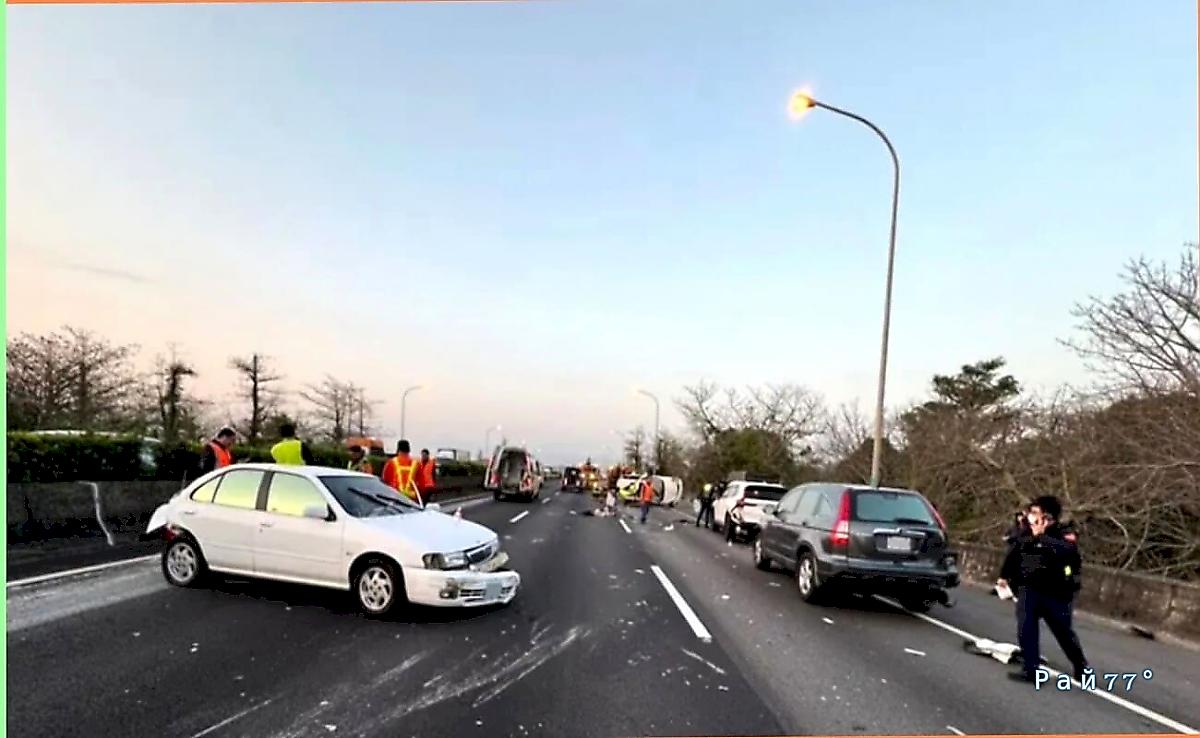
462 587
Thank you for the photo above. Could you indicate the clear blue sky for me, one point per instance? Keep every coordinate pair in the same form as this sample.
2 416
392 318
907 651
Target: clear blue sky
535 207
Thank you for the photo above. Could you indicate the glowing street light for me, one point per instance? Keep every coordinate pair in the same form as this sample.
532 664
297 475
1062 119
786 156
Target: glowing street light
799 104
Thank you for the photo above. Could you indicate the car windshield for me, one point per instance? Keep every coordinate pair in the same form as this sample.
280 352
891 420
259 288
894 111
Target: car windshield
764 492
367 497
891 507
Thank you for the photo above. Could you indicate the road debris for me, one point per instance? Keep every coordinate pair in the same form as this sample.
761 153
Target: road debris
827 620
704 661
724 596
914 652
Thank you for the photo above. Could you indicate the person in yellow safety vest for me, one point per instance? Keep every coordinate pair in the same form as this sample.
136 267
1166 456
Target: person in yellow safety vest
291 450
401 471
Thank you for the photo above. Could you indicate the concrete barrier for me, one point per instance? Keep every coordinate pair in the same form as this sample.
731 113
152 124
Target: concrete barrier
1154 603
38 511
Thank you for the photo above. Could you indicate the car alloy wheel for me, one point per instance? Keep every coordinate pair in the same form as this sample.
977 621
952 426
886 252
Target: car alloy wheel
376 589
806 576
182 563
760 560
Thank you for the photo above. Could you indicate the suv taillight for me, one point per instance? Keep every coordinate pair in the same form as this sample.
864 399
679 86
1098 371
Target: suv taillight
937 516
841 529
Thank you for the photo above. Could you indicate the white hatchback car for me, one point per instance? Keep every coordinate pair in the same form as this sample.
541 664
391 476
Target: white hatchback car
330 528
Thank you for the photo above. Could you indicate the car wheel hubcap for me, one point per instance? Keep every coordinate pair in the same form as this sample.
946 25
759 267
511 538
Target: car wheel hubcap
181 563
375 589
806 576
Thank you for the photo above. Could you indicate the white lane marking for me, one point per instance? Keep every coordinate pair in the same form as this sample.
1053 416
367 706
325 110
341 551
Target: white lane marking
518 517
685 609
231 718
625 526
954 730
75 572
1131 706
914 652
704 661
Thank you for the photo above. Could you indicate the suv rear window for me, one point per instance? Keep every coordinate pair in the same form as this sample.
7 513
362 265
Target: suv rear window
764 492
891 507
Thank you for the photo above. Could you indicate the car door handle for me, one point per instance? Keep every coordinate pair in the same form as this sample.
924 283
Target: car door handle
266 524
187 512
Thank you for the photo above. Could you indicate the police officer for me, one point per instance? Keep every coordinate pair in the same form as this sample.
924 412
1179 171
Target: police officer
1043 568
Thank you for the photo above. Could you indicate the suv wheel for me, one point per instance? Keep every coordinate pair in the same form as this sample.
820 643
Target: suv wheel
761 560
807 579
378 588
182 563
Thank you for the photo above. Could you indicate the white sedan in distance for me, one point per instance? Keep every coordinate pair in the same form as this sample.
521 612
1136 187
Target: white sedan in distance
329 528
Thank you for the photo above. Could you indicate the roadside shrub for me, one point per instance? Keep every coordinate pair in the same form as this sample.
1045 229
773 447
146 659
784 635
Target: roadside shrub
36 458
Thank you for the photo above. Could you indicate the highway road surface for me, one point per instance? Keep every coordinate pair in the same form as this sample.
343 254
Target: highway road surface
620 629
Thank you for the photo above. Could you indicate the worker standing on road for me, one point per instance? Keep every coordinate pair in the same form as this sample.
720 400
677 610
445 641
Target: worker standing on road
426 475
359 461
647 496
1045 569
291 450
217 453
706 507
401 472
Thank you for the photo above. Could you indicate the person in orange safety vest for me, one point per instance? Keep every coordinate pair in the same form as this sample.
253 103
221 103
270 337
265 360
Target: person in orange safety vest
400 473
218 453
426 475
647 496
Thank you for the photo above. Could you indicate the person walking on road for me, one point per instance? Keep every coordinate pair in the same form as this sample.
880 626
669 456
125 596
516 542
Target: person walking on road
218 452
291 450
359 461
426 475
705 516
647 496
1045 569
401 471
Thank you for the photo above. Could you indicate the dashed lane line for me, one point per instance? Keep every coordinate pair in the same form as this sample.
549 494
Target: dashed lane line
693 620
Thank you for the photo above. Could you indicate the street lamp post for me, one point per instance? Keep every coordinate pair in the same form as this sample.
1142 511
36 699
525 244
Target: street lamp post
800 103
656 426
487 439
404 408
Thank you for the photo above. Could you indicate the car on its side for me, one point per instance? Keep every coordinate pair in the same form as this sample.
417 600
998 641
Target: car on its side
742 507
865 539
329 528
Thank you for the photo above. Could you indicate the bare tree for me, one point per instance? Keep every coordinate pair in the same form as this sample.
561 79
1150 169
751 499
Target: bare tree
362 411
789 411
72 378
257 380
170 373
1148 336
635 443
334 403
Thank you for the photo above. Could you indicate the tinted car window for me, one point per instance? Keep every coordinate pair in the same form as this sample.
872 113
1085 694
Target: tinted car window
885 507
764 492
204 493
239 489
791 500
289 494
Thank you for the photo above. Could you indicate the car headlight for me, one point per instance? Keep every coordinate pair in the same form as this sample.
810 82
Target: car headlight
455 560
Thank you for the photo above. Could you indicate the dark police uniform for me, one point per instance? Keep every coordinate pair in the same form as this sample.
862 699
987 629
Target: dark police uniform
1044 571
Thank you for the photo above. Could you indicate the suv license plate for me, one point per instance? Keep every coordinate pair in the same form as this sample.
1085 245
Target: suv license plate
493 590
898 543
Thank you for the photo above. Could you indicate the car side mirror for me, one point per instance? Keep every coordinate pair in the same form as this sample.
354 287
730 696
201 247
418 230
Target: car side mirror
317 512
433 507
